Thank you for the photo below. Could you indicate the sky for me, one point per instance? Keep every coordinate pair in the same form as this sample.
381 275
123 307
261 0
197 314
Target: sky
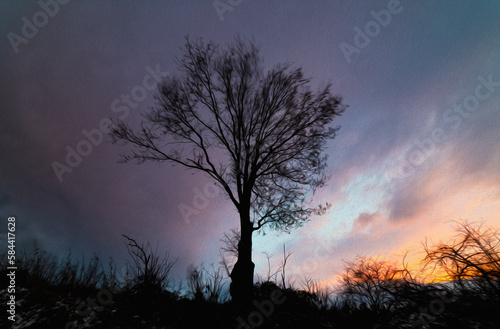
417 150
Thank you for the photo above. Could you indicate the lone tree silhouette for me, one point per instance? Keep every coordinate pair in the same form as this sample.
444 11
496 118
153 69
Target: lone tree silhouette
259 134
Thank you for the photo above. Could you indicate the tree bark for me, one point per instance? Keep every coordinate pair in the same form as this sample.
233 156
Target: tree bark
241 287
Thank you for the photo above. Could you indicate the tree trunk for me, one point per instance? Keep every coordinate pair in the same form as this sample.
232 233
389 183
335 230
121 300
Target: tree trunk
241 287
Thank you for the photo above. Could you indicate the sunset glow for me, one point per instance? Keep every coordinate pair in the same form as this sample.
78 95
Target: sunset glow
417 152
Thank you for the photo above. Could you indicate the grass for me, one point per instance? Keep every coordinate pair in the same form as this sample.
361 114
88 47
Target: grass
64 293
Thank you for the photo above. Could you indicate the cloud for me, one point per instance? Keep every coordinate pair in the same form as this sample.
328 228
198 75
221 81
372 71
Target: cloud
65 79
367 223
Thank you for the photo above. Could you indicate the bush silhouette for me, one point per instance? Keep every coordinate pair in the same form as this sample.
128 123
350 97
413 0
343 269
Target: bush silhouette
372 293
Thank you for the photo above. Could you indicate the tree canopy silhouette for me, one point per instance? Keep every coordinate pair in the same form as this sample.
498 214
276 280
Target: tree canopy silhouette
471 260
258 133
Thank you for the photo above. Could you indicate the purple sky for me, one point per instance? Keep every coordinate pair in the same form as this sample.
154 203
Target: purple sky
418 146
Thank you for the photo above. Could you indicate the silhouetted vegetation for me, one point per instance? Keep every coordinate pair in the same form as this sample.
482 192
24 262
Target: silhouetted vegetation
260 134
371 293
146 271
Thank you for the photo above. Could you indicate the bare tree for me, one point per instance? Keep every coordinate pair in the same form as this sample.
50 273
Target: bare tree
370 282
259 134
471 260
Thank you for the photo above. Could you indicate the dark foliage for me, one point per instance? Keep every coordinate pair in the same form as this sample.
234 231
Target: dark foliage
372 293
